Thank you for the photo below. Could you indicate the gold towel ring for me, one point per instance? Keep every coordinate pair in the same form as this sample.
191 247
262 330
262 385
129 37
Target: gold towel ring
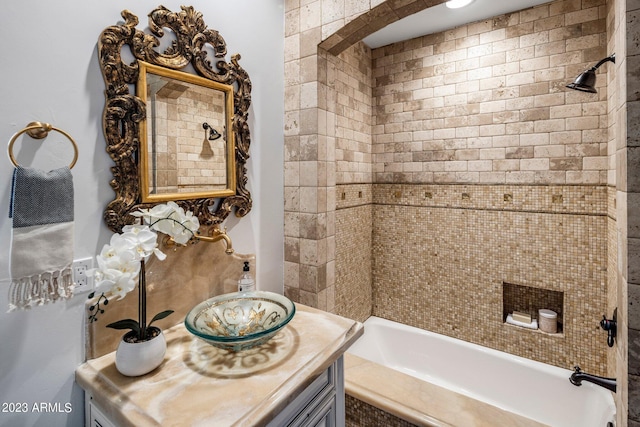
40 130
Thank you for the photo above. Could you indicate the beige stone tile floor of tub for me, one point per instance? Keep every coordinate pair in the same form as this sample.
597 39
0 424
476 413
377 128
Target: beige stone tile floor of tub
409 398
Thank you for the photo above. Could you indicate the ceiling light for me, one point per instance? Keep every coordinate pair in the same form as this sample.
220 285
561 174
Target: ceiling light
455 4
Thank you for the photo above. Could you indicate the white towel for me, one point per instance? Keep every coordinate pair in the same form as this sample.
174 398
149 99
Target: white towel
42 236
532 325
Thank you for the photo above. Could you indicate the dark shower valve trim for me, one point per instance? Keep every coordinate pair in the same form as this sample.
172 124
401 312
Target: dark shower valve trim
609 325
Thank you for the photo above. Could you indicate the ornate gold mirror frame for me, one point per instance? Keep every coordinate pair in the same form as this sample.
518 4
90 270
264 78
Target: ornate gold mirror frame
125 111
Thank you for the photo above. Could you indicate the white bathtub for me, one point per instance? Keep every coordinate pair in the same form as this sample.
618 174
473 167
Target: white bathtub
527 388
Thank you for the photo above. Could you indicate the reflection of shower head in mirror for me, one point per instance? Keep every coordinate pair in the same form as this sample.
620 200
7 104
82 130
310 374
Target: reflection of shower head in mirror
213 134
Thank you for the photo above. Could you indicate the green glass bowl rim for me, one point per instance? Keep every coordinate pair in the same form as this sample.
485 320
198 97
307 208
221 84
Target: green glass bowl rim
239 339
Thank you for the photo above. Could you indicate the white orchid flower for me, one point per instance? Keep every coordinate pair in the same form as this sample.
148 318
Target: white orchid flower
142 239
182 236
123 284
156 212
172 220
119 261
191 222
118 267
116 281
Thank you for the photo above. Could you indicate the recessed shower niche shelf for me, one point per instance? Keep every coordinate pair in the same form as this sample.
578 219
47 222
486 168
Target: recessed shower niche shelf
529 299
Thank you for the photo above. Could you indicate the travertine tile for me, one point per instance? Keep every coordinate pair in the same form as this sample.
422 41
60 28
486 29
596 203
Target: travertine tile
634 397
482 104
519 76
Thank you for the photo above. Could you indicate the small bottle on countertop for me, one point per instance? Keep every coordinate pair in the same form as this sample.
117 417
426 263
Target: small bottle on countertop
246 282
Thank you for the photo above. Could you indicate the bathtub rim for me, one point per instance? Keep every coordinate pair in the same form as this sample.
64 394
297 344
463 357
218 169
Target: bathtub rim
383 402
379 398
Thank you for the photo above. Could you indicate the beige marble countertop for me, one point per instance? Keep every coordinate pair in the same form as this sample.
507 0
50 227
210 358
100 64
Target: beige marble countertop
200 385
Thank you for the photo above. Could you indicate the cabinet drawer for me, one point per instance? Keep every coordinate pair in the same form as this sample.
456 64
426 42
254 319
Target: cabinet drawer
323 415
305 404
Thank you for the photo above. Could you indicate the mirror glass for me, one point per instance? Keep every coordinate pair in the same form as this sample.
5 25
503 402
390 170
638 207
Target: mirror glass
186 151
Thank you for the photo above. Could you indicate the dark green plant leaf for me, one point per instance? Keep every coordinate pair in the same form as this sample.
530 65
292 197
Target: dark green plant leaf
125 324
160 315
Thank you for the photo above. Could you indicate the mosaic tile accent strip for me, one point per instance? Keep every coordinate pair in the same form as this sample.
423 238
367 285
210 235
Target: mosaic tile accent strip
353 195
441 266
577 199
443 270
353 262
361 414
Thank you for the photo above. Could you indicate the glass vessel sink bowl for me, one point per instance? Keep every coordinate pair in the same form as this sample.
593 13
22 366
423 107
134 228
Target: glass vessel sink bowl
240 320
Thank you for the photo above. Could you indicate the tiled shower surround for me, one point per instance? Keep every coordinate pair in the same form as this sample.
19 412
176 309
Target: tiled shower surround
421 176
486 170
441 254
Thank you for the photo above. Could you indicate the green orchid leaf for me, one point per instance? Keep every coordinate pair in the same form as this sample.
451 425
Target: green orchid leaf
125 324
160 315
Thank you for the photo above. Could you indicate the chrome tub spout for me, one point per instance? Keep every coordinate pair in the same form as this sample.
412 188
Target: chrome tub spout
578 376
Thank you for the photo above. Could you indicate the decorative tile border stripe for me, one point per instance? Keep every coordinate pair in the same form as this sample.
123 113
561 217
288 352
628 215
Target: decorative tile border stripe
565 199
352 195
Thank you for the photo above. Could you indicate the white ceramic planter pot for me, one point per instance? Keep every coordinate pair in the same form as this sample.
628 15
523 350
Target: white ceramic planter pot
134 359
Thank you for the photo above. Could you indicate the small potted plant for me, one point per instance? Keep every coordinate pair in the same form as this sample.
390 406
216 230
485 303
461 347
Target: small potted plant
121 264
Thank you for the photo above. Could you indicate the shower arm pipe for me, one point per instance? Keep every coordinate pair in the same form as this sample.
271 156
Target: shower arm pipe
611 58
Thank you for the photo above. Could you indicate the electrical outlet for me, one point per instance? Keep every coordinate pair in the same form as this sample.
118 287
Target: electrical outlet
82 281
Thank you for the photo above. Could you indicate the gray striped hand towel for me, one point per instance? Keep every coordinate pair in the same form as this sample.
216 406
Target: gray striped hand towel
42 236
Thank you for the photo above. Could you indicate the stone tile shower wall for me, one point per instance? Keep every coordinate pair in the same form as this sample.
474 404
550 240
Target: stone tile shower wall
349 79
487 171
486 102
627 110
310 124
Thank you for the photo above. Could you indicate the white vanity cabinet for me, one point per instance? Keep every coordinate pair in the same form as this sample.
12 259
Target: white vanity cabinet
320 404
295 380
93 415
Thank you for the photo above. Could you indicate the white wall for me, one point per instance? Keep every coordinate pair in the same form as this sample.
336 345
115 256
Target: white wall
49 72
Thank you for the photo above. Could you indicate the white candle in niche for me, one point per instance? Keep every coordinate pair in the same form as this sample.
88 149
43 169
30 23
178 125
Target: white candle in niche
548 321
